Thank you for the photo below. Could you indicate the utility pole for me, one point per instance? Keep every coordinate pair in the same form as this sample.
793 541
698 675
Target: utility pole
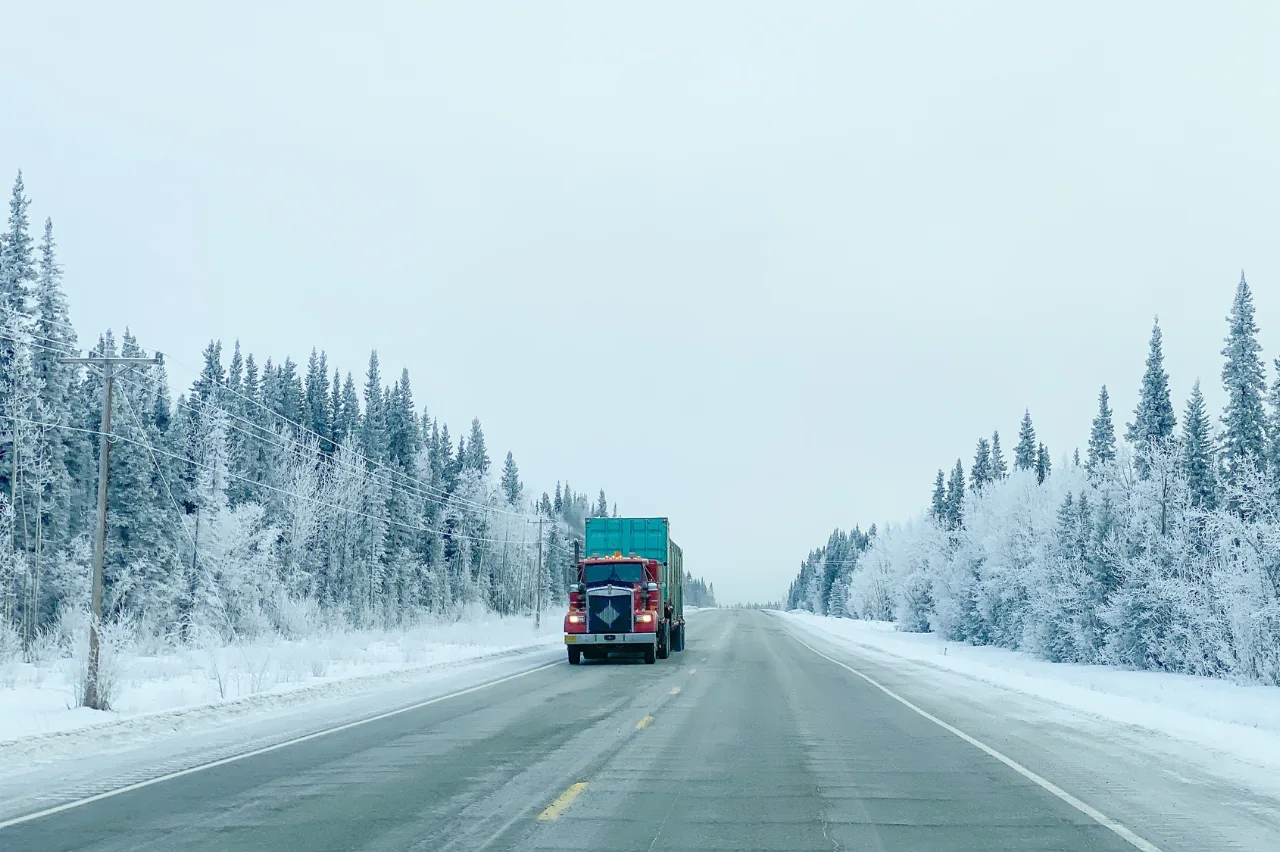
92 698
537 612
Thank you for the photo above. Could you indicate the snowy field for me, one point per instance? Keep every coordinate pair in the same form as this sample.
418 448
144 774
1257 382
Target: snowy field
155 683
1242 720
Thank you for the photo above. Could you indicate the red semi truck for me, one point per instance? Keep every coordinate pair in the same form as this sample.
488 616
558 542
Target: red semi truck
629 595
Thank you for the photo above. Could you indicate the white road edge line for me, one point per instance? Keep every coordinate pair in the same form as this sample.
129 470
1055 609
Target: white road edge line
223 761
1084 808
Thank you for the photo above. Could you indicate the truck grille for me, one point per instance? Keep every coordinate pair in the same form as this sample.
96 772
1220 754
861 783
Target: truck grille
609 611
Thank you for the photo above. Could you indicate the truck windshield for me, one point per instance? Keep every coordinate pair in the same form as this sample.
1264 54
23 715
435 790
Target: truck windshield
625 572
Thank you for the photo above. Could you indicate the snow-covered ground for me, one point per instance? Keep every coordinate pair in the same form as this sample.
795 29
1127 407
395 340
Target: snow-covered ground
39 699
1242 720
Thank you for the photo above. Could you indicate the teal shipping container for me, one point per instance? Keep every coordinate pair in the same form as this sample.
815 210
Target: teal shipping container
647 538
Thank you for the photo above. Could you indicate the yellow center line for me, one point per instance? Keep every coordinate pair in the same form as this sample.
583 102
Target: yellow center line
562 802
675 690
644 723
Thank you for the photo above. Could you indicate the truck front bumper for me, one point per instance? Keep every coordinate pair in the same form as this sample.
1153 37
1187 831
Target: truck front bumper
610 638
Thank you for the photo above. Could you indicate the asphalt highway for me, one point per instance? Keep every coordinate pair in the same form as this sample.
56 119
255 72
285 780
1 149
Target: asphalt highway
747 740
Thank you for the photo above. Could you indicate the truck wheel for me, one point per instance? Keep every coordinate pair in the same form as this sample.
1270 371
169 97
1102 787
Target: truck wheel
650 655
664 642
677 638
575 656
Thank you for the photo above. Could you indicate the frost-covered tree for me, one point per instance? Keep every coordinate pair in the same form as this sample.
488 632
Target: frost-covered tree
999 468
316 396
1024 454
1154 419
373 425
477 454
1197 451
954 511
17 275
1242 376
838 599
980 473
65 451
1043 465
939 503
511 482
1273 455
1102 435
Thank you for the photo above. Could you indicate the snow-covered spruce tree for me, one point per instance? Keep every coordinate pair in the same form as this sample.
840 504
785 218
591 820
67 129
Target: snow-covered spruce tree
980 473
477 454
1043 465
954 512
1059 631
938 505
1273 454
1198 466
63 448
511 486
1024 454
835 556
316 397
1245 383
999 468
17 277
838 599
1102 436
1153 419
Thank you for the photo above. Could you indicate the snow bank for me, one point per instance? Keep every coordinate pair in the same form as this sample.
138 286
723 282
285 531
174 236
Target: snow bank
39 699
1241 719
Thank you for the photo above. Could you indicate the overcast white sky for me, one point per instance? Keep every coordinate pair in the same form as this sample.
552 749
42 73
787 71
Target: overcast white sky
837 241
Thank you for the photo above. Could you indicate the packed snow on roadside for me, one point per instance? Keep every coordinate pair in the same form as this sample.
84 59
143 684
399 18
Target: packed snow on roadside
41 697
1234 717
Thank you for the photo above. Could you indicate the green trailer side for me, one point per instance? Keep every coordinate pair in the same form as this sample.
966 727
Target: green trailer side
675 580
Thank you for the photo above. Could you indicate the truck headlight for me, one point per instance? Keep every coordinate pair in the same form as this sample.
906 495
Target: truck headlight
577 619
644 618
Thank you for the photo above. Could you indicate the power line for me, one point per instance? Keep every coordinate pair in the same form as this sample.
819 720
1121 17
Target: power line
423 491
164 480
183 459
37 319
294 444
301 427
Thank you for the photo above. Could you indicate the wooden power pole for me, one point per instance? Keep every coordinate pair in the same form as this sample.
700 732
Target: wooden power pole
92 696
537 612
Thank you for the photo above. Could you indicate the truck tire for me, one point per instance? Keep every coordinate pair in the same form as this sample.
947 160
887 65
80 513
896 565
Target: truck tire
664 642
650 654
677 638
575 656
